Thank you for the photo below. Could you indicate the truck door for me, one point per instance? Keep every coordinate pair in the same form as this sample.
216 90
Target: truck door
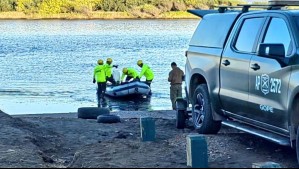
269 77
234 69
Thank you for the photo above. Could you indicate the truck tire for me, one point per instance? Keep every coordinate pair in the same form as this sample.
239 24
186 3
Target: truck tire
91 112
108 118
202 116
180 119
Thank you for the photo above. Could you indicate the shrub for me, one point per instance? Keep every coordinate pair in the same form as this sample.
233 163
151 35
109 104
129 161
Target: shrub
50 7
179 6
113 5
8 5
135 3
28 6
164 5
150 9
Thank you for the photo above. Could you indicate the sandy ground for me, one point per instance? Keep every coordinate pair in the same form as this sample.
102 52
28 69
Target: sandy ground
63 140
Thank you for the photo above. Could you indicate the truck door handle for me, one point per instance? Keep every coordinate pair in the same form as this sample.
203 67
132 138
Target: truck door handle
255 66
226 63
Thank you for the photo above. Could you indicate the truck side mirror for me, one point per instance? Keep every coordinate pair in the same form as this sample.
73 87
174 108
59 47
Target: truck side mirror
271 50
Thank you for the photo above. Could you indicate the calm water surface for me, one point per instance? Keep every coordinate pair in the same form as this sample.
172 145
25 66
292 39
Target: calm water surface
47 65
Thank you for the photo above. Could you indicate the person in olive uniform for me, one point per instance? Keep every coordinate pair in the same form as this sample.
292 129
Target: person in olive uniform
99 77
176 76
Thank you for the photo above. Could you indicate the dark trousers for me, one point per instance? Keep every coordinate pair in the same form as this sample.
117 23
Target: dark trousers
148 82
111 80
101 90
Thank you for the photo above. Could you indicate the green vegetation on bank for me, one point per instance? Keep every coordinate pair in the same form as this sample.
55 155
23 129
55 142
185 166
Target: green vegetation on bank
96 15
109 9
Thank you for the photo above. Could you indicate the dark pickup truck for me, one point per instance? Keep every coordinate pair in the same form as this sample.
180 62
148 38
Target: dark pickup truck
242 70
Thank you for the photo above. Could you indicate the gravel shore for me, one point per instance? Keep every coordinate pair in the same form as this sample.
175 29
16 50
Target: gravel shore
63 140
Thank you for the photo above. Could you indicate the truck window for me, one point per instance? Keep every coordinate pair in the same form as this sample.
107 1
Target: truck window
213 30
278 33
248 34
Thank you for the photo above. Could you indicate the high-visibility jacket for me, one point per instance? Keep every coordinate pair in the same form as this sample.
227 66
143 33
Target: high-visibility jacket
108 70
131 72
147 72
99 73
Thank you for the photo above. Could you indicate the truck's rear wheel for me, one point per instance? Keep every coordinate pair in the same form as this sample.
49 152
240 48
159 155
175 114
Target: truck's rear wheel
202 112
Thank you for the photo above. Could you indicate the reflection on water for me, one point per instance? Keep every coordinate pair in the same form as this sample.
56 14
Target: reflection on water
131 103
47 65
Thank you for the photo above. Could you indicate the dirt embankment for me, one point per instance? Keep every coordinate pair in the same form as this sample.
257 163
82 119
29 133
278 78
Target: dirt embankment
62 140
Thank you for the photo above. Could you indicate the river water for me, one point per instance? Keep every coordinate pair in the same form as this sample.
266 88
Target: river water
47 65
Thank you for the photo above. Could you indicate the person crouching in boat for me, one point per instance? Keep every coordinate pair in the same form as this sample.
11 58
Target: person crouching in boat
131 74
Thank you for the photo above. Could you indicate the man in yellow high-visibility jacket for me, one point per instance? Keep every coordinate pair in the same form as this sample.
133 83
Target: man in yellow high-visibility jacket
99 76
108 71
130 73
146 71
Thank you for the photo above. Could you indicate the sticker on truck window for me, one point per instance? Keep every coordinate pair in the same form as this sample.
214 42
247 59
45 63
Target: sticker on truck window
268 85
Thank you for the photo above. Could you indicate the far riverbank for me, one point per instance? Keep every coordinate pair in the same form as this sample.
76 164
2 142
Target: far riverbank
97 15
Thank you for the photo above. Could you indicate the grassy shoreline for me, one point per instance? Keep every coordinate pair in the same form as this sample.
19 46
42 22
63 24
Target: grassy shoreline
95 15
